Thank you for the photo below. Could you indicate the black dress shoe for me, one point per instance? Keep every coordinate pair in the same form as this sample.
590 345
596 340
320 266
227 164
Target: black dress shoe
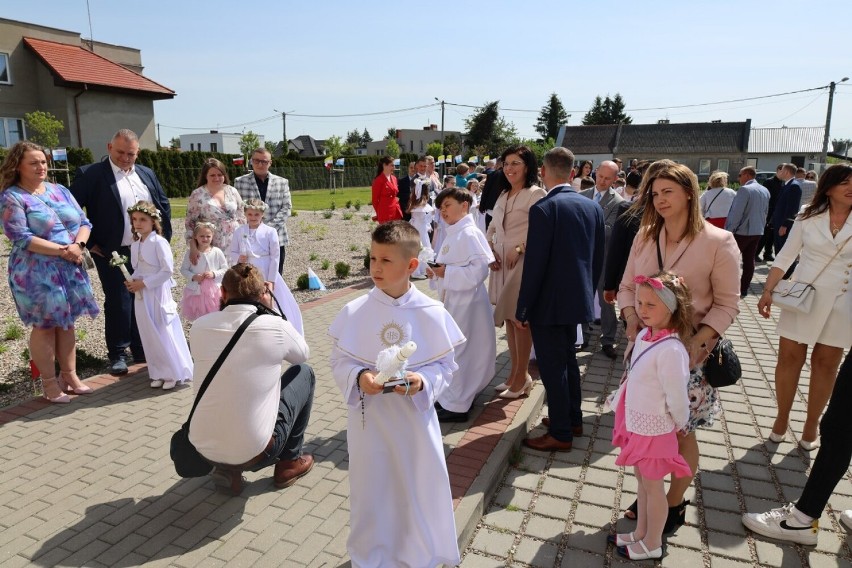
757 259
768 258
445 415
118 366
581 346
609 351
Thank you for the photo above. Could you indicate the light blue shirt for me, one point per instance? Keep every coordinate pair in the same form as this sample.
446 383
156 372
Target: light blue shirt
747 216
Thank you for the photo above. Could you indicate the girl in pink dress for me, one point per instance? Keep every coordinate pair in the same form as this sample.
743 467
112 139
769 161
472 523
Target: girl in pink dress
651 407
202 293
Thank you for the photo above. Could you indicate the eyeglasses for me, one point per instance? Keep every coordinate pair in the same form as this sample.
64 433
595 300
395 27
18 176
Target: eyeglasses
261 162
514 164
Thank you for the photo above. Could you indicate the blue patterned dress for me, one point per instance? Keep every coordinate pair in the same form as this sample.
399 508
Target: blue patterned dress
48 291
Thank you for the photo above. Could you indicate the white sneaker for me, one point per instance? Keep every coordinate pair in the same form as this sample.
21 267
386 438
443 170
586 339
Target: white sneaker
168 385
846 519
782 524
156 383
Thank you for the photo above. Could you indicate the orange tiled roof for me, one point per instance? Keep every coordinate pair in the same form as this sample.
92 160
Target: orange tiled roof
73 64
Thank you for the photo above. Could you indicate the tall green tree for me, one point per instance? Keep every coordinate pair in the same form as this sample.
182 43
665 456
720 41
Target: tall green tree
434 149
353 138
334 146
607 111
44 128
365 137
392 148
551 117
174 143
392 132
487 128
248 142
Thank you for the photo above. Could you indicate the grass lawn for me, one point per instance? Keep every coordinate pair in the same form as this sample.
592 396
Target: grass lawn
303 200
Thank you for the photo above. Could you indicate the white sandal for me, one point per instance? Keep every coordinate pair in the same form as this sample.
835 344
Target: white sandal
644 555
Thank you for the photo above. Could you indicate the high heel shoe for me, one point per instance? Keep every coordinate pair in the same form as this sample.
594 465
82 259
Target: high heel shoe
504 386
61 399
65 383
525 390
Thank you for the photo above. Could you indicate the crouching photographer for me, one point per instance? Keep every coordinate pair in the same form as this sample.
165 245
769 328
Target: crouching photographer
250 416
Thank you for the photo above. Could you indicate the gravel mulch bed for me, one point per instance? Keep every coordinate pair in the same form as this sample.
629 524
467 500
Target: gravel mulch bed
315 242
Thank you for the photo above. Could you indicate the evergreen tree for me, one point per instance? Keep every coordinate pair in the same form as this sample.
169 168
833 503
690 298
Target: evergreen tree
365 137
552 116
607 111
487 128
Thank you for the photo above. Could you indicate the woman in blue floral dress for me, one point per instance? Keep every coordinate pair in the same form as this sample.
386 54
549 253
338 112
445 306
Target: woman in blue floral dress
48 231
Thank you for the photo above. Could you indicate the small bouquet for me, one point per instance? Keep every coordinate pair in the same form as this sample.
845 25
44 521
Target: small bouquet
118 261
391 364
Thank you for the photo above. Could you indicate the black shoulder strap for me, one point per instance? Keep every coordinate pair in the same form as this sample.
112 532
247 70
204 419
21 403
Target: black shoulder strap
221 359
659 255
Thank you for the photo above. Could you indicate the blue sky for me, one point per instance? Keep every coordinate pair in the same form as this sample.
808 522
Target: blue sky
235 63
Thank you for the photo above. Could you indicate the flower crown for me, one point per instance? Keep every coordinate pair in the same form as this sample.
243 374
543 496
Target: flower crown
147 209
205 225
255 204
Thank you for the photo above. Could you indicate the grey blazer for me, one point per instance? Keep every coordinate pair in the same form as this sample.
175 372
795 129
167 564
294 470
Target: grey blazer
277 200
609 204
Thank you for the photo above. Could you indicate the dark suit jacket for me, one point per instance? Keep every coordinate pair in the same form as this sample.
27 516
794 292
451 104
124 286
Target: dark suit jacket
404 195
564 259
95 189
495 183
787 207
620 241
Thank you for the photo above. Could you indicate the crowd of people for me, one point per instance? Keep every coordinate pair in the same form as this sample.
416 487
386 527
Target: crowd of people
547 250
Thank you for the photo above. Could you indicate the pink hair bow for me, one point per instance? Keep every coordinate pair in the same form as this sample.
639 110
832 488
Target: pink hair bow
654 283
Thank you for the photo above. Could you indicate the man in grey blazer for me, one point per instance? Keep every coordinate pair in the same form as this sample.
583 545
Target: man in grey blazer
608 199
271 189
746 220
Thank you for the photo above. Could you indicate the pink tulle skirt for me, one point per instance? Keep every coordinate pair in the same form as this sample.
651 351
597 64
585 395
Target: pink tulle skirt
193 306
655 456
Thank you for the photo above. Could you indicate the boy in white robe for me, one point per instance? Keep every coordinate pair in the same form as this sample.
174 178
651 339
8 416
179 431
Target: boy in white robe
401 507
459 278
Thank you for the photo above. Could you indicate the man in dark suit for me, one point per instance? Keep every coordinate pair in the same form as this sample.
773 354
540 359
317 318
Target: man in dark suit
106 189
787 206
608 199
494 185
564 260
405 191
774 185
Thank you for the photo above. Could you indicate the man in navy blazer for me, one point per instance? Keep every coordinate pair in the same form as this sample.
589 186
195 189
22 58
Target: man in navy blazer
787 207
564 260
106 189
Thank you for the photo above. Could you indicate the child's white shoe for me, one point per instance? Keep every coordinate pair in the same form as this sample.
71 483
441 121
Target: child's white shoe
156 383
169 385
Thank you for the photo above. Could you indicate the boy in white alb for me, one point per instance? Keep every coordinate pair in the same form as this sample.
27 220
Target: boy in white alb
459 278
401 511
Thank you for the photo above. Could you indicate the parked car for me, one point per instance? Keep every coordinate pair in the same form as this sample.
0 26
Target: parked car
761 177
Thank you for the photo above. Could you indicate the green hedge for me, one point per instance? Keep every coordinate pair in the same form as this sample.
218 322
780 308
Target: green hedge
178 171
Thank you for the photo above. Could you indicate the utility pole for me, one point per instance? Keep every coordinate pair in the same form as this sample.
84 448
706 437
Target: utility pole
284 144
158 136
442 136
831 88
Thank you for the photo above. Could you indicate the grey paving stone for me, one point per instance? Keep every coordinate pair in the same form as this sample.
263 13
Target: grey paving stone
535 553
504 519
493 542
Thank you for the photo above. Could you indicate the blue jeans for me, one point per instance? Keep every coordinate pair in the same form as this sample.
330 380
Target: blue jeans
294 411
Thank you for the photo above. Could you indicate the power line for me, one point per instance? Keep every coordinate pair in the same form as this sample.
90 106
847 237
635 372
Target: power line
364 113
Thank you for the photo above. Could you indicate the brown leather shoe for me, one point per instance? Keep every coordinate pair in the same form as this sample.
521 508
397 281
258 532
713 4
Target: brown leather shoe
576 430
288 471
547 443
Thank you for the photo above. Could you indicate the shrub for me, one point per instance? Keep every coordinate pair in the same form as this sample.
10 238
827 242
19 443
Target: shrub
13 331
341 269
332 206
347 216
353 248
357 205
294 213
302 281
313 256
366 217
349 204
328 214
325 264
367 258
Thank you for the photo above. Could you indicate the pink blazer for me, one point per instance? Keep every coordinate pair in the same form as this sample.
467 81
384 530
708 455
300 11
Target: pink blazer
710 265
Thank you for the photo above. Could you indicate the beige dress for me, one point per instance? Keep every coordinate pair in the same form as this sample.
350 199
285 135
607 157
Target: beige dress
507 230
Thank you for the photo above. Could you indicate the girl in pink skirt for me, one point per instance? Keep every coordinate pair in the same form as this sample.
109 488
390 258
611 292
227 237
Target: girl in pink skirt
651 407
204 278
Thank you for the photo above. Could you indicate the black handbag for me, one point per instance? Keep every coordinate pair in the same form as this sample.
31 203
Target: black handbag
722 368
188 462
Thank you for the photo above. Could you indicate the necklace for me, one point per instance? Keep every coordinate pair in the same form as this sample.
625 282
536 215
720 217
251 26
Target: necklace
513 199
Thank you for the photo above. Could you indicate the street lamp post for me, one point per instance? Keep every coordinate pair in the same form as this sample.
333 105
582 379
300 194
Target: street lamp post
831 88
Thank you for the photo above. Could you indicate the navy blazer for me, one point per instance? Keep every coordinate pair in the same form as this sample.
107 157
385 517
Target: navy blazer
563 260
95 189
404 186
787 206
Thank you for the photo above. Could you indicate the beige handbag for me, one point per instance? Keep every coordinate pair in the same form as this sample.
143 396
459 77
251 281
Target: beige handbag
799 296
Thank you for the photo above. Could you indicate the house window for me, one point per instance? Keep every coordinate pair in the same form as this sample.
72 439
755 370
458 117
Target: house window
723 164
704 166
4 69
11 131
751 162
214 147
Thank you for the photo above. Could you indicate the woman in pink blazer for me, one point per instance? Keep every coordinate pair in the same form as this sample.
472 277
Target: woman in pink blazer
675 237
